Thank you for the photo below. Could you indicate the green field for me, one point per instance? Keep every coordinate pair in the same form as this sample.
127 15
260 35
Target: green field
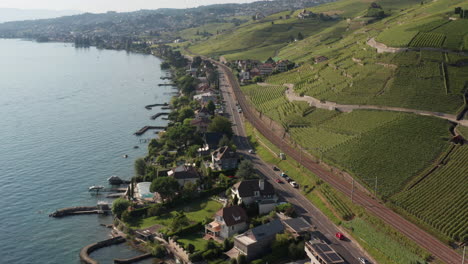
365 143
441 198
196 211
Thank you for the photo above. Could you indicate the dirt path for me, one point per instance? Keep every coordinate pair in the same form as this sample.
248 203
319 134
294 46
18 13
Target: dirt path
291 96
381 48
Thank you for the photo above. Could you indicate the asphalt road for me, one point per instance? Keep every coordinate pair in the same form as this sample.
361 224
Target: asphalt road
348 249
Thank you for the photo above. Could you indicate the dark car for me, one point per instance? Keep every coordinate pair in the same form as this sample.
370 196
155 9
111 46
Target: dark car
275 168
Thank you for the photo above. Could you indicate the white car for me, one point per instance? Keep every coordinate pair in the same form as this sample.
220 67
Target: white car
362 260
251 151
294 184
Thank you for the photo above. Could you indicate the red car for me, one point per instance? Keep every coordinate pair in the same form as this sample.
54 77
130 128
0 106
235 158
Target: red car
278 181
340 236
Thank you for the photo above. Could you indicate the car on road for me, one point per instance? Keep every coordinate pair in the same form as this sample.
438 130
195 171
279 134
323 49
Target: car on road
284 175
275 168
251 151
288 179
294 184
340 235
362 260
278 181
239 110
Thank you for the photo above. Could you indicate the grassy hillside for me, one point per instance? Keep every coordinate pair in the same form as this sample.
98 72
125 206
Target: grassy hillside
396 148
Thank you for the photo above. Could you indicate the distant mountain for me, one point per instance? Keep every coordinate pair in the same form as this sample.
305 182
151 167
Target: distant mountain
13 14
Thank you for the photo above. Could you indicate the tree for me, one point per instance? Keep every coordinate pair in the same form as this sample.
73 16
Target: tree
280 245
191 248
190 190
192 151
119 206
180 220
222 125
158 251
196 62
257 79
211 107
140 167
296 251
246 170
165 186
184 113
225 141
300 36
241 259
233 261
161 160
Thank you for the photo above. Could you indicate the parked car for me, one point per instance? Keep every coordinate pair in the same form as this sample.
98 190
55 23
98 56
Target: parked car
294 184
275 168
278 181
251 151
287 179
362 260
340 236
284 175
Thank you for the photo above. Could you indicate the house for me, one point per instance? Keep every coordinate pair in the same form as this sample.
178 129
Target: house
211 140
254 72
320 59
266 69
304 14
202 113
297 226
282 66
201 124
244 75
224 158
228 222
204 98
184 174
257 241
320 252
257 190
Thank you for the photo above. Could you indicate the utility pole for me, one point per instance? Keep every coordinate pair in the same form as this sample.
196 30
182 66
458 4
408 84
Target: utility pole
375 189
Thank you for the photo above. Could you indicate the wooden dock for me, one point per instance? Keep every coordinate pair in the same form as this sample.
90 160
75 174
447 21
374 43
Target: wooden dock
149 107
158 115
146 128
166 84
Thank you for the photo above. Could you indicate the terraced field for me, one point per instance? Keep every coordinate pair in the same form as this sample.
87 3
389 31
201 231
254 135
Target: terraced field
440 199
365 143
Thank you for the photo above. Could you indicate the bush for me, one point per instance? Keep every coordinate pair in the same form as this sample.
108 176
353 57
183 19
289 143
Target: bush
195 257
119 206
158 251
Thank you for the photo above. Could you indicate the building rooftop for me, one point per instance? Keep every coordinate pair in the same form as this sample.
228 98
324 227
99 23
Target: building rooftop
233 215
298 225
324 251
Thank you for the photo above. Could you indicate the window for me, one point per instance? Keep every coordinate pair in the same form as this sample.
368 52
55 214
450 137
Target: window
232 227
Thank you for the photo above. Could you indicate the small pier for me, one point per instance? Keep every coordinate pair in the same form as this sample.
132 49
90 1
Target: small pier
86 251
158 115
149 107
166 78
146 128
166 84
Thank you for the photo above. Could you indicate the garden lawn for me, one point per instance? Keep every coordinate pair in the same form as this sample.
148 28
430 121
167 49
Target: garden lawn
196 211
194 239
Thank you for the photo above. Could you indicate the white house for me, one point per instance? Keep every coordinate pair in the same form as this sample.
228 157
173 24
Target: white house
228 222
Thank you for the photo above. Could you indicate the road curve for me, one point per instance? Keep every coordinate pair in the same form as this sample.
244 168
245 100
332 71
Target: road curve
419 236
291 96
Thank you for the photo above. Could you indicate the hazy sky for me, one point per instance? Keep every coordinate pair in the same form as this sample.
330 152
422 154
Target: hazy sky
106 5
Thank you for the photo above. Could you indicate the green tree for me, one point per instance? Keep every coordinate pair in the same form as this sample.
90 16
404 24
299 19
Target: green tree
190 190
241 259
191 248
222 125
211 107
161 160
179 221
296 251
192 151
300 36
140 167
119 206
225 141
158 251
280 245
246 170
184 113
233 261
257 79
165 186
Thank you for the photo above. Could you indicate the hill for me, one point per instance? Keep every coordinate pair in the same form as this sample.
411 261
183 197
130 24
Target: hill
400 54
13 14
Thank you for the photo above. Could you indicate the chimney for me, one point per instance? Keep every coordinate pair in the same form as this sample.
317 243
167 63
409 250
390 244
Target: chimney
261 184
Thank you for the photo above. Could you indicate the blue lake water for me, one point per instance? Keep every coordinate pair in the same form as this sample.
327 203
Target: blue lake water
67 117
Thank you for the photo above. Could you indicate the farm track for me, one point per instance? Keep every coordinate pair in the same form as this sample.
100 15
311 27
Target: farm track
291 96
419 236
381 48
